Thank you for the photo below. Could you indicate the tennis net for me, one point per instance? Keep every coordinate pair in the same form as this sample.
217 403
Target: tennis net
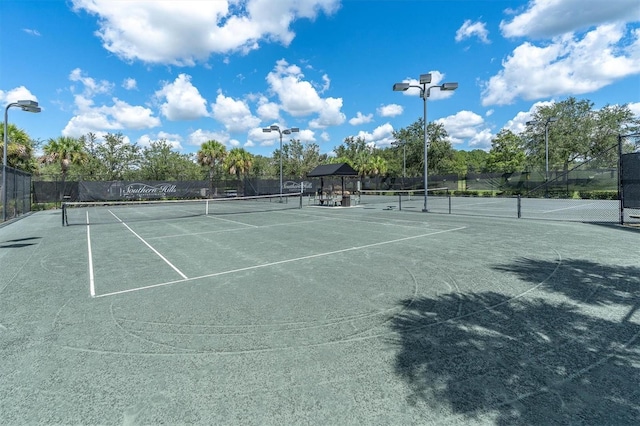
401 199
85 213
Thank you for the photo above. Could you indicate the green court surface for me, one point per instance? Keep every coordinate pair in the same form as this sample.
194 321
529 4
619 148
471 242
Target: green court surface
318 315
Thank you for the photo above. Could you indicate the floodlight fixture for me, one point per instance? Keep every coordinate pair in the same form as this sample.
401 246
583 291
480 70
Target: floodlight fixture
401 87
425 78
449 86
275 127
266 130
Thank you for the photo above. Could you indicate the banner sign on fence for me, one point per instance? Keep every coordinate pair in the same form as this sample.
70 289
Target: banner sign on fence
630 179
140 190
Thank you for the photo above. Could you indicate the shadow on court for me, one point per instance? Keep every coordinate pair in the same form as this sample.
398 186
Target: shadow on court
19 243
584 281
528 360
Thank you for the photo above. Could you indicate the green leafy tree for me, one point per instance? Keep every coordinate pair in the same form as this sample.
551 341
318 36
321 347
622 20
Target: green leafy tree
299 159
92 168
440 151
211 155
118 157
477 160
507 153
160 162
580 134
238 162
64 151
20 148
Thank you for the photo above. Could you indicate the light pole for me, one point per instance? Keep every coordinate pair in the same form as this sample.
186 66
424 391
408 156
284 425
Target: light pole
29 106
546 150
425 91
276 128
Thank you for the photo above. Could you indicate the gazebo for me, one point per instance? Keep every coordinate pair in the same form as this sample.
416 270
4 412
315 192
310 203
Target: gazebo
341 170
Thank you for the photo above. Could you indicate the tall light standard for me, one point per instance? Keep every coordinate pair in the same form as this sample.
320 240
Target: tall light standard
425 91
276 128
546 150
29 106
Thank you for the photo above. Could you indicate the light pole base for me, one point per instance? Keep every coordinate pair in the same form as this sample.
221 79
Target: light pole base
425 211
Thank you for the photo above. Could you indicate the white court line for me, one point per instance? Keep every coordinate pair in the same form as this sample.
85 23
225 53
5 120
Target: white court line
280 262
149 245
568 208
92 285
219 231
232 221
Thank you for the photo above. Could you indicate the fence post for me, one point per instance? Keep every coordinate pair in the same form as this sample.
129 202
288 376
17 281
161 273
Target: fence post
620 190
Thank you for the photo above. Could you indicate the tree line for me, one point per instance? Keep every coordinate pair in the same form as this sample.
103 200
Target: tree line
576 134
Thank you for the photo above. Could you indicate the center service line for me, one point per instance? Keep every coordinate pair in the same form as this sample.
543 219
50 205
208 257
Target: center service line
149 245
92 286
280 262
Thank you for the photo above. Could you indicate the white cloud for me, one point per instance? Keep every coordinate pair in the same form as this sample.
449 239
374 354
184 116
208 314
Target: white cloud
566 66
390 110
91 87
467 126
473 29
380 137
130 84
183 100
172 139
361 119
518 123
329 115
19 93
199 136
548 18
635 108
119 116
300 98
31 32
268 111
185 32
234 114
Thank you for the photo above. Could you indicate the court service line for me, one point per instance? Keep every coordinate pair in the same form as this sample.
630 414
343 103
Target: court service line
568 208
149 245
92 284
280 262
232 221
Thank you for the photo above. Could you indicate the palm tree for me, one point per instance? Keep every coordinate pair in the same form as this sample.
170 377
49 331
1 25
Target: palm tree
210 154
377 165
20 149
238 163
65 151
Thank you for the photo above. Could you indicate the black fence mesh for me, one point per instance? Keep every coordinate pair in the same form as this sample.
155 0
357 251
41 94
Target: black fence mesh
18 193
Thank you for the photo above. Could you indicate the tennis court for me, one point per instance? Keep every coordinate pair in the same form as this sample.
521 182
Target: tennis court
312 315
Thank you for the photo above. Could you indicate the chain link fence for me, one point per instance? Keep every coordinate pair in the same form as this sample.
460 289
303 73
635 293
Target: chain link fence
17 192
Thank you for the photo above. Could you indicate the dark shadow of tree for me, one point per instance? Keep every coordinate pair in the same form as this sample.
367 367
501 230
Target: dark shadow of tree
582 280
520 361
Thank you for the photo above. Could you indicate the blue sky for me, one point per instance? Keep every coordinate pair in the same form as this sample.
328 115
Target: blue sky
191 71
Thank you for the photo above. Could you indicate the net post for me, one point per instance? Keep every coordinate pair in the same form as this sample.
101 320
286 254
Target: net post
206 207
301 192
399 201
519 207
449 198
64 214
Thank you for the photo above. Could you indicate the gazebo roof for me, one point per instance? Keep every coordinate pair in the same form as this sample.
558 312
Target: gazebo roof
337 169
